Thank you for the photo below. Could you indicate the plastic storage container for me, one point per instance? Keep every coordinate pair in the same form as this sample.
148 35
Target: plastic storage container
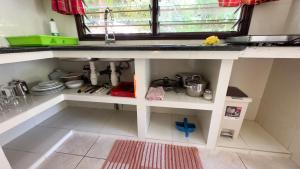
41 40
235 108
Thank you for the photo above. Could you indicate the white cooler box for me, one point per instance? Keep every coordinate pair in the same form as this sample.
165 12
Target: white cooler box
235 108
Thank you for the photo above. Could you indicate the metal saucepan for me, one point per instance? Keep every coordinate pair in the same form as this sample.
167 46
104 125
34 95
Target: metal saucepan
195 86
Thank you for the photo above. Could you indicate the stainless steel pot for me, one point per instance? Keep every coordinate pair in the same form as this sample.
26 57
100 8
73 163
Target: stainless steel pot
195 86
182 77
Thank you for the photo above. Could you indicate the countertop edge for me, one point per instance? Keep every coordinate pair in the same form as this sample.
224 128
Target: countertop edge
122 48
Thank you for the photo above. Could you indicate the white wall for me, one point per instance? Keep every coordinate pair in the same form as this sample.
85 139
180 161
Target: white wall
293 22
31 71
251 76
31 17
279 112
270 18
22 17
65 23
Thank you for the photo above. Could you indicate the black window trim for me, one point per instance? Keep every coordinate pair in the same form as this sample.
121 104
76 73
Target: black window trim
243 29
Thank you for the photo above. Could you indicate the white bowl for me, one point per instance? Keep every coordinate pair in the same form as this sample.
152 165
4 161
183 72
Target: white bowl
74 84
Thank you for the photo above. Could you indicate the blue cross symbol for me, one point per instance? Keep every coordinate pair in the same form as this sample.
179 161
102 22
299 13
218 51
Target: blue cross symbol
185 127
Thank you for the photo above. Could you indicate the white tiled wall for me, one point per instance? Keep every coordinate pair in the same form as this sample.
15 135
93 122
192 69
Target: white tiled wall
274 14
31 71
19 17
65 23
293 18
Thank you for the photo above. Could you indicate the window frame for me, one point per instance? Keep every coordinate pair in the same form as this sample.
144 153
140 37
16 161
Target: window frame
243 29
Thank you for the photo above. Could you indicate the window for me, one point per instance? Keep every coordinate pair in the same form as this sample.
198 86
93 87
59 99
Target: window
163 19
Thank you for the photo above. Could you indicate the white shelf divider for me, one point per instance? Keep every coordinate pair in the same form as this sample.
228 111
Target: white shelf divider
220 95
142 78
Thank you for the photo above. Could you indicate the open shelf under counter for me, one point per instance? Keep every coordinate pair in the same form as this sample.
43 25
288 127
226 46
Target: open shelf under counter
37 105
72 95
181 100
162 127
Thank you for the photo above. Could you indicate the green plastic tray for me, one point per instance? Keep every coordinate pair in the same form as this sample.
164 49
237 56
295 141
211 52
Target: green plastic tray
41 40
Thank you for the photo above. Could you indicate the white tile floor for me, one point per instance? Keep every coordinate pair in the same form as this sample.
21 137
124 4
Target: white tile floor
98 152
78 144
28 148
88 148
253 138
21 159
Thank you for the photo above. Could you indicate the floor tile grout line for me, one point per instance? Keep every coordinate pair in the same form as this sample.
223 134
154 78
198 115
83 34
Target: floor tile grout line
99 158
249 149
99 137
79 162
104 134
242 160
68 154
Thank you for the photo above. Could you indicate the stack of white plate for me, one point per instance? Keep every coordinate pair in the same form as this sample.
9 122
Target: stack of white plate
47 87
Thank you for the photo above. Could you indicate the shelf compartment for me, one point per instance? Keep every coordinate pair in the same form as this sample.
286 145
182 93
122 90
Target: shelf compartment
72 95
162 125
95 120
254 138
39 104
208 69
181 100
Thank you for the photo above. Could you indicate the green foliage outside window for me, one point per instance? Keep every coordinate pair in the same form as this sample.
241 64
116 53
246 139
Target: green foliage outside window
175 16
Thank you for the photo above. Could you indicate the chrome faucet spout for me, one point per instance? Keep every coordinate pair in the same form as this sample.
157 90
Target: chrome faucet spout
109 37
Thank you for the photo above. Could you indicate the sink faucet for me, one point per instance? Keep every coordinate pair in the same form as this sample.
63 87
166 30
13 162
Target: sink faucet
109 37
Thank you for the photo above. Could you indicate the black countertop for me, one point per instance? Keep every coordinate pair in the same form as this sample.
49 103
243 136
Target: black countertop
125 48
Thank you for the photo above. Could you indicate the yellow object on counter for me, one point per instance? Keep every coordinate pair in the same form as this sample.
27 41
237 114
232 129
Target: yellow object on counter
212 40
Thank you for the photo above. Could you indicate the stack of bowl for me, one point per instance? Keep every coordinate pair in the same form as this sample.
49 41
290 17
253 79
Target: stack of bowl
47 87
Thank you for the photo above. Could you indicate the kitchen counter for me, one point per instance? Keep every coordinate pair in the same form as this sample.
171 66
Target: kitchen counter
124 48
13 55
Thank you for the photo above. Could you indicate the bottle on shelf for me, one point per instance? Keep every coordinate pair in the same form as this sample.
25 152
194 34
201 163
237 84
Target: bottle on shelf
53 28
93 76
